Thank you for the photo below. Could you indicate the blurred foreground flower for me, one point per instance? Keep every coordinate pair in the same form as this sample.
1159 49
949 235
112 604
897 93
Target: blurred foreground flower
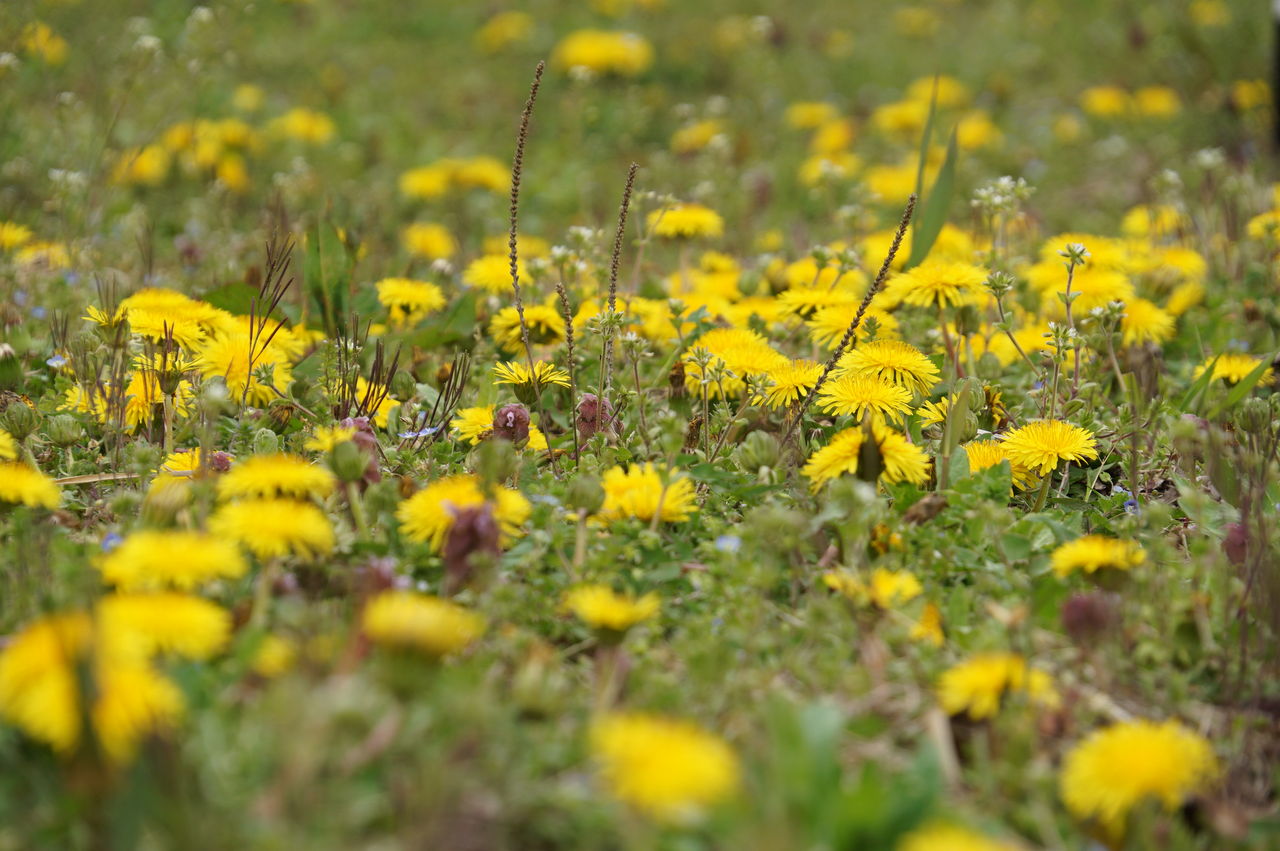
412 621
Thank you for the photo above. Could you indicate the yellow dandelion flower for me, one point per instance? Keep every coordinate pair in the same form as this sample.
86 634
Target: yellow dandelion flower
671 770
145 166
885 590
545 325
809 115
304 125
624 54
599 607
226 356
492 273
638 491
1106 101
975 130
741 351
976 686
325 438
515 372
807 301
503 30
905 118
409 301
146 624
43 255
39 691
133 701
13 235
277 475
902 460
1117 768
1209 13
833 137
39 41
983 454
274 656
428 515
1039 446
23 485
8 446
1157 102
929 628
895 361
686 221
829 168
791 383
151 559
408 620
949 91
942 836
272 528
861 395
937 283
1092 553
473 424
1144 322
429 240
692 138
1184 297
426 182
829 324
1233 367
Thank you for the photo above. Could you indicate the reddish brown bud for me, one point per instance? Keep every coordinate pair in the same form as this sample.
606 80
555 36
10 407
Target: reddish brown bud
595 415
512 423
1087 617
474 532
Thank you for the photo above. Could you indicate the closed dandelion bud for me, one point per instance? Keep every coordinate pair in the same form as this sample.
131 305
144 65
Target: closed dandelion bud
675 380
367 440
526 393
65 430
20 420
265 442
539 684
496 461
1087 617
760 449
595 415
511 422
870 458
967 320
1254 416
471 543
585 494
348 461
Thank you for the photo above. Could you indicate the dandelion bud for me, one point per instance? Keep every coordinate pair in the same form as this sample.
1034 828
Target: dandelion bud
1254 416
675 380
512 423
348 461
219 462
1087 617
65 430
595 415
20 420
1236 543
367 441
265 442
402 385
760 449
585 494
472 539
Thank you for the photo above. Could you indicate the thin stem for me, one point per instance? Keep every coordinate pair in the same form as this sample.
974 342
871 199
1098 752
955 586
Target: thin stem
1044 491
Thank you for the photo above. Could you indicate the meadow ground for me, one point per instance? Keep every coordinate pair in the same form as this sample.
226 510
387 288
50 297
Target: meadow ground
845 426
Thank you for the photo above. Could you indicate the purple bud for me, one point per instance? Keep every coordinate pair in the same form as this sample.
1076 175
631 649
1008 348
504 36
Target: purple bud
512 423
595 415
474 531
1086 617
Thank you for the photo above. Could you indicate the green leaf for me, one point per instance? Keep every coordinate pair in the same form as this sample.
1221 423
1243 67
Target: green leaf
927 138
933 215
1242 388
1197 387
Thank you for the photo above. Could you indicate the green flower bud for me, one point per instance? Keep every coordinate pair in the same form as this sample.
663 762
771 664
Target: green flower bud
402 385
65 430
1254 416
585 493
265 442
348 461
760 449
20 420
496 461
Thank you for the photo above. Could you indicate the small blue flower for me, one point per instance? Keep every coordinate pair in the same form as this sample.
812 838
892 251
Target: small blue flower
57 362
1131 506
544 498
38 312
728 543
20 298
426 432
111 541
1039 385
